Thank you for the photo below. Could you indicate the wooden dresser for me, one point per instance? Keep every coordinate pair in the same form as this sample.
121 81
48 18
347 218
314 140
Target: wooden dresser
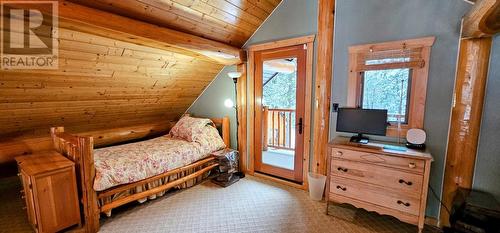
386 181
50 191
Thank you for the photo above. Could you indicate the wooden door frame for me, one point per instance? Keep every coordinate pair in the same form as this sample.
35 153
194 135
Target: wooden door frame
281 53
308 41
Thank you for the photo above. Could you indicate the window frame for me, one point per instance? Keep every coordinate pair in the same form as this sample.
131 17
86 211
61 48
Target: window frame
417 84
408 97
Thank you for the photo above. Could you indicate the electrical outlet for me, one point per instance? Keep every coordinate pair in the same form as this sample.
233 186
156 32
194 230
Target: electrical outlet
335 107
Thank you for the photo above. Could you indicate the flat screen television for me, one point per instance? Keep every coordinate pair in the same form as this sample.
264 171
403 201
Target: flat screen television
362 121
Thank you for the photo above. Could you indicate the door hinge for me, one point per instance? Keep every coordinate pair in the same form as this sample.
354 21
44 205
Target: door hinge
305 46
30 186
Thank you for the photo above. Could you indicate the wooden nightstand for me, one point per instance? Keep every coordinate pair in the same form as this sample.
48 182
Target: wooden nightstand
50 191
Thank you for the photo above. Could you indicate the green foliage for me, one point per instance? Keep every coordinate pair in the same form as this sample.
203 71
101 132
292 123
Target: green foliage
280 91
382 89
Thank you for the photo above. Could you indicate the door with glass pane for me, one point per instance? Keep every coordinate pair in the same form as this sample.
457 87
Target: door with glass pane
279 112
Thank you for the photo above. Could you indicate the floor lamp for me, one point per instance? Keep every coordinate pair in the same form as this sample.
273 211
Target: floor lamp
234 76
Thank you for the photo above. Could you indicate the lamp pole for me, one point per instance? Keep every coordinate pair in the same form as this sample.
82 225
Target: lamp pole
235 80
235 76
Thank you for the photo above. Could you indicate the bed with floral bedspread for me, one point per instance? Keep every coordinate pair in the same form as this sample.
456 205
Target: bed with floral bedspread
190 140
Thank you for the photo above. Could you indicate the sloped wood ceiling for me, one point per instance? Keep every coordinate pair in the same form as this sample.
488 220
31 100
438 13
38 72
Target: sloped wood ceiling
228 21
104 83
100 83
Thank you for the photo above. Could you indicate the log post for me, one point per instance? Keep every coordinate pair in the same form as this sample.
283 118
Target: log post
478 27
323 84
466 114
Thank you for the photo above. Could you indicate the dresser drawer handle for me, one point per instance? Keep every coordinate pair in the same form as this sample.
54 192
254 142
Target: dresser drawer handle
342 169
339 153
341 188
412 165
403 203
409 183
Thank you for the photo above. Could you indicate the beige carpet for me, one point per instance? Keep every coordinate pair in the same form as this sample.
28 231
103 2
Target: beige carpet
250 205
12 216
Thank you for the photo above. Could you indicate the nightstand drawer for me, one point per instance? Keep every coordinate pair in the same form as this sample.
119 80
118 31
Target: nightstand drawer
374 194
379 175
414 165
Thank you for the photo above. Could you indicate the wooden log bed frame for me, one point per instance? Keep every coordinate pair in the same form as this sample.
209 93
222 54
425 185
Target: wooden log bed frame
79 149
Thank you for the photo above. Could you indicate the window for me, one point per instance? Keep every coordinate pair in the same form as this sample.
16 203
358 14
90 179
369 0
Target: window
392 76
387 89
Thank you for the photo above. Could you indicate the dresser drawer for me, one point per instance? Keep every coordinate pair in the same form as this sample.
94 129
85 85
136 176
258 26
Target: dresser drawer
414 165
27 195
397 180
374 194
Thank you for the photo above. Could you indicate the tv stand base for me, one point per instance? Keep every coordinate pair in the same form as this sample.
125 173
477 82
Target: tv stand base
359 139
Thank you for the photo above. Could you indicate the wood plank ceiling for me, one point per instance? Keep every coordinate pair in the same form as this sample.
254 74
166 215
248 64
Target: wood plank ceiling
228 21
105 83
101 83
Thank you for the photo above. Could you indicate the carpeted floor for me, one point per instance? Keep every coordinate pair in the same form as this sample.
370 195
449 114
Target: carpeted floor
12 216
250 205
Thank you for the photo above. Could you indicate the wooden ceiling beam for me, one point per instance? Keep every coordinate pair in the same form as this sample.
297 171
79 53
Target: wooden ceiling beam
482 20
106 24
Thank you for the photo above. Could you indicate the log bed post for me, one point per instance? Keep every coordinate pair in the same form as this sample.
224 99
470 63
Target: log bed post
86 145
80 151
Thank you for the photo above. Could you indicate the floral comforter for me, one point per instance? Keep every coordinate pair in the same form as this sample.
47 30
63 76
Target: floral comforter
132 162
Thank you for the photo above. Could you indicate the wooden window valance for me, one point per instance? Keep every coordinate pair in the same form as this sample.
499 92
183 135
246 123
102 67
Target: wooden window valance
390 59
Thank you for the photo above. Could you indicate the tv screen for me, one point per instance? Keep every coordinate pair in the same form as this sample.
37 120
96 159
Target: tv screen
362 121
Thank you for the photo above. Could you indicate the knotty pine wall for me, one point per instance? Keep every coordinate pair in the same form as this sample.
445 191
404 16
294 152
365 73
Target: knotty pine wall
101 84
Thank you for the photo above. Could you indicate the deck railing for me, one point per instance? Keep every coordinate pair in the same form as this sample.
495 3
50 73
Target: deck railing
394 118
278 128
